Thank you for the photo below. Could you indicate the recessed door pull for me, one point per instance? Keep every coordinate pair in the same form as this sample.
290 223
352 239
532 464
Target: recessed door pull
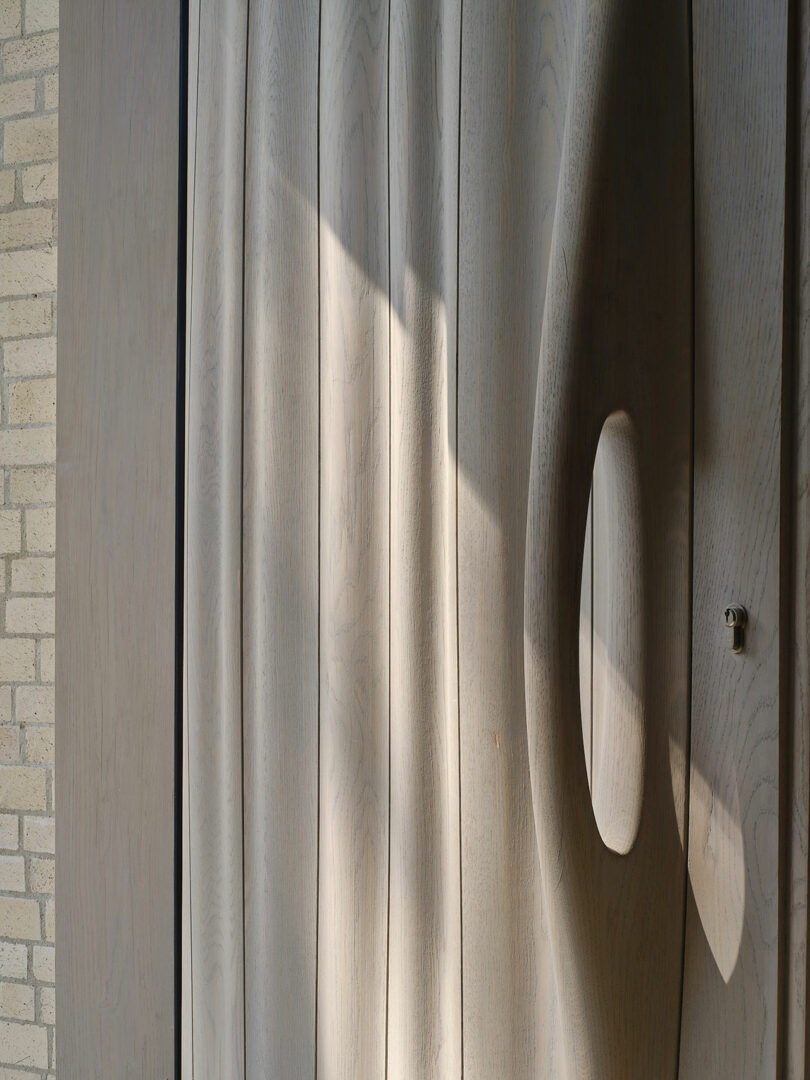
736 617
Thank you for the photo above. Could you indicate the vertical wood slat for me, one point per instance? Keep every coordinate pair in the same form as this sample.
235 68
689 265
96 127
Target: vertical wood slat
354 529
514 73
116 452
214 548
733 922
424 953
797 751
280 538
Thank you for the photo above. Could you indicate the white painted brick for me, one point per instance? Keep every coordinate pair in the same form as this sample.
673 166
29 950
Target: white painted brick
50 920
34 356
40 525
24 1044
27 272
5 705
10 18
47 1005
12 873
40 183
23 787
22 228
17 1002
46 660
13 960
41 875
43 963
9 832
17 96
31 53
9 743
10 532
17 660
30 615
7 187
39 743
33 138
38 833
29 316
19 918
34 704
41 15
28 446
50 84
32 401
33 485
35 573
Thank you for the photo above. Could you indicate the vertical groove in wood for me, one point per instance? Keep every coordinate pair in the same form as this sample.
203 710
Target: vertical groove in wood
424 1006
116 514
354 499
280 542
731 972
213 549
797 749
514 93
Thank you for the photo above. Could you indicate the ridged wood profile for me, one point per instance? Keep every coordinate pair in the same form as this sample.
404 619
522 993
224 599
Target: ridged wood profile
446 215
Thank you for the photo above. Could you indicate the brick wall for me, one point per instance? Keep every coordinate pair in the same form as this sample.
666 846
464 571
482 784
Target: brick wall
28 119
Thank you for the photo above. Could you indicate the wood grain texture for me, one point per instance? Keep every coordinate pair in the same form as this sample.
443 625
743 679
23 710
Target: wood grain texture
280 539
116 452
424 949
213 567
797 751
616 336
514 85
354 536
731 973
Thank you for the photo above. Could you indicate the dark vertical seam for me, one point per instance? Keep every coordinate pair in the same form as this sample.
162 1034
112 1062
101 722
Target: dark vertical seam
189 368
390 423
691 554
180 522
787 522
318 526
242 539
458 576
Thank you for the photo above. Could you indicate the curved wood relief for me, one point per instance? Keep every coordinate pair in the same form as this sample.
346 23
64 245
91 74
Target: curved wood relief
616 336
618 640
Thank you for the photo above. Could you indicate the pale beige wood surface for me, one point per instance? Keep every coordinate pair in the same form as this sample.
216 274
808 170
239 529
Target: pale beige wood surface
616 336
280 539
733 920
354 538
213 550
424 942
619 645
115 658
514 85
586 642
